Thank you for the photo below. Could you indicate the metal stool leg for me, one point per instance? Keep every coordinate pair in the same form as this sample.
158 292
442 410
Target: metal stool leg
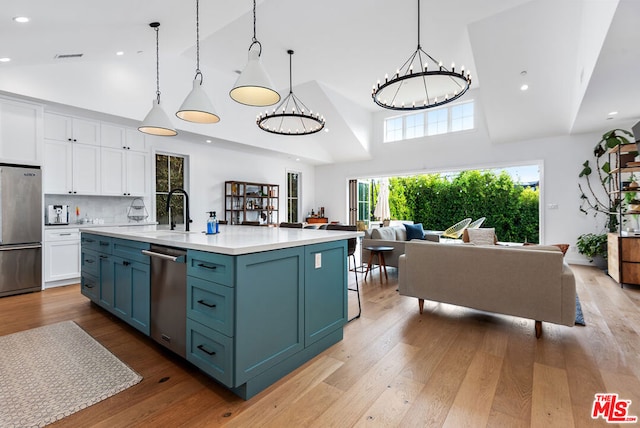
357 290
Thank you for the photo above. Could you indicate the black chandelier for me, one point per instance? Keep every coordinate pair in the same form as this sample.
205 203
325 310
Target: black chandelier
291 117
420 83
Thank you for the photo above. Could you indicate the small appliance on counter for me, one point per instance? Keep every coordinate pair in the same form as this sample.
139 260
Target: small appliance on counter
57 214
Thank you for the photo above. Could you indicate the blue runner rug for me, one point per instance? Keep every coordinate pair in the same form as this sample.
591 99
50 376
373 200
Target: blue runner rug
579 316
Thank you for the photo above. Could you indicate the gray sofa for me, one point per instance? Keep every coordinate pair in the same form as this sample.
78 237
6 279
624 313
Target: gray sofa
393 236
528 281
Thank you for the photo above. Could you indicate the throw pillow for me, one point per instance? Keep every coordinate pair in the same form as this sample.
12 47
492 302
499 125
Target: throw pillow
414 231
484 236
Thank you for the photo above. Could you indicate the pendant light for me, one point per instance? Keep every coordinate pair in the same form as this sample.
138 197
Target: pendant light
291 117
157 122
421 83
197 107
254 87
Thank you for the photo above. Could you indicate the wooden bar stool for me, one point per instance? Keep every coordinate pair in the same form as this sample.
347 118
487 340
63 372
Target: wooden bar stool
377 251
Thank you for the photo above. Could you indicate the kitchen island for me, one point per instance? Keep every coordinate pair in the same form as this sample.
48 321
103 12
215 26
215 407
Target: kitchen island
260 301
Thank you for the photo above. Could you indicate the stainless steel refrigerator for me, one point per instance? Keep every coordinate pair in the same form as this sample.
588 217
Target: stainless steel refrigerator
20 229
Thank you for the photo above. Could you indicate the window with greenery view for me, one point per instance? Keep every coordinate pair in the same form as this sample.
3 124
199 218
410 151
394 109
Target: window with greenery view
170 174
364 201
293 196
438 201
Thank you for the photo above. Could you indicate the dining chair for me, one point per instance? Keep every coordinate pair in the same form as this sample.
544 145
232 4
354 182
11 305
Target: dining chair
351 252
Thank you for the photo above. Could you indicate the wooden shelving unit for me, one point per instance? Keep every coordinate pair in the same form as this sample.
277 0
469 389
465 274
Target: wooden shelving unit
623 249
251 203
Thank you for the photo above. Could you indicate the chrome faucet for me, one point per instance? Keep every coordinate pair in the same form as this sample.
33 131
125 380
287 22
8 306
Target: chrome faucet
187 220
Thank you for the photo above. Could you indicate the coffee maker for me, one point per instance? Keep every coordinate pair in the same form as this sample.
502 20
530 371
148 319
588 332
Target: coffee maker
57 214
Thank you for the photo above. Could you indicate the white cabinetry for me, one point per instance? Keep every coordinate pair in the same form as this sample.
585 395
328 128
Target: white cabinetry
61 257
124 172
72 129
71 168
118 137
20 132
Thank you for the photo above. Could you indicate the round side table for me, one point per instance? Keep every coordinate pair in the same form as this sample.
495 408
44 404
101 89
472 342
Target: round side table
377 251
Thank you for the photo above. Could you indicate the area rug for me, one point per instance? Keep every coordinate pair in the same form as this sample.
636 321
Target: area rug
579 316
50 372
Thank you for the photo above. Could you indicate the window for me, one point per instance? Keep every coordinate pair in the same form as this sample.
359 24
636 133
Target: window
437 121
393 129
454 118
364 204
293 196
170 174
414 125
462 117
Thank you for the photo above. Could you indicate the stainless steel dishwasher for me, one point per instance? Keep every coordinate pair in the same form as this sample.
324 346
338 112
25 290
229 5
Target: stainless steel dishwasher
169 297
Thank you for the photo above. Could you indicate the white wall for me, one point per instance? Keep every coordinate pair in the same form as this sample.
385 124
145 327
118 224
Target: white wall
561 159
210 166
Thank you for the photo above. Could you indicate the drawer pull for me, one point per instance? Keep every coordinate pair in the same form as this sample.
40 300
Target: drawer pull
88 285
203 349
64 234
88 261
89 240
206 266
208 305
126 263
104 244
102 256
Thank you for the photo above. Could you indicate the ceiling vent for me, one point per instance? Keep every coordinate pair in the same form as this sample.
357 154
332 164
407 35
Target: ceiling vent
65 56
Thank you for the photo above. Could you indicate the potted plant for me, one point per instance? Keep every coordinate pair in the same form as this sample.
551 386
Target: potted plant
592 199
593 246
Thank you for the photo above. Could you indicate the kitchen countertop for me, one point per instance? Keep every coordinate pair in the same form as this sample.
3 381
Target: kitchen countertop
232 240
91 225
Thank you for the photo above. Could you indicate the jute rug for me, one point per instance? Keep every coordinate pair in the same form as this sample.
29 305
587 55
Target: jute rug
50 372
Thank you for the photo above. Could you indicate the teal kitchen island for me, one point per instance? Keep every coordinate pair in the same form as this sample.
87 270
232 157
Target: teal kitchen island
255 302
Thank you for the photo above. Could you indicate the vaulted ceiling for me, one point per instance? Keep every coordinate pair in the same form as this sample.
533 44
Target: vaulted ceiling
579 58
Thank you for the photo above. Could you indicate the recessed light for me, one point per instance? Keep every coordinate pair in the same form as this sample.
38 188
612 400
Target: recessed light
524 87
21 19
5 59
613 113
297 159
119 53
208 141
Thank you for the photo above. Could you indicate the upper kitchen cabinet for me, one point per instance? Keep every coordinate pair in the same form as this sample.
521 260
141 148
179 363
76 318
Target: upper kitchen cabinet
20 132
71 129
118 137
124 172
71 168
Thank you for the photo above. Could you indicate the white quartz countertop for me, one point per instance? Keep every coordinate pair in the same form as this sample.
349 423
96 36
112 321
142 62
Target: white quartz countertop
232 240
92 225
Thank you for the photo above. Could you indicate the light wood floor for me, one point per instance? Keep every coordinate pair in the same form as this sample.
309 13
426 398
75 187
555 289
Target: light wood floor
451 367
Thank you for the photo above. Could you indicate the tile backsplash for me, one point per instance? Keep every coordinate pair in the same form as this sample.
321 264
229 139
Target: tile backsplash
112 209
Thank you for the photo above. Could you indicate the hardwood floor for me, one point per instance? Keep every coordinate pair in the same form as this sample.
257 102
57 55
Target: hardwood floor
450 367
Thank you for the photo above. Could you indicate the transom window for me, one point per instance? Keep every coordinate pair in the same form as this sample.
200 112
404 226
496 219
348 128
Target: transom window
454 118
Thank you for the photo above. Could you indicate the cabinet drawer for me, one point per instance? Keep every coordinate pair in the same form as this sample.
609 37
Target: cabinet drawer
630 249
630 273
210 304
211 267
89 286
211 351
89 262
98 243
131 250
61 235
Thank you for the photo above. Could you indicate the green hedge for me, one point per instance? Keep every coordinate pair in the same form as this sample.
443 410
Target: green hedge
438 201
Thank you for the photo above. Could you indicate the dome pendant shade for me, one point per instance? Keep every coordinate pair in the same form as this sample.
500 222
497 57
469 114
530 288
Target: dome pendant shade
197 107
253 87
157 122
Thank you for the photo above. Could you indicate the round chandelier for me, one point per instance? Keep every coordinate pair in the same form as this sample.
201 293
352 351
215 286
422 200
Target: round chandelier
421 83
291 117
